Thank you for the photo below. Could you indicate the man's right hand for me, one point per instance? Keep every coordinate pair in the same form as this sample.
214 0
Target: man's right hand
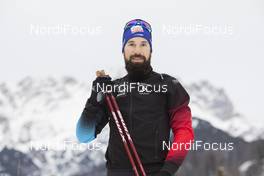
99 84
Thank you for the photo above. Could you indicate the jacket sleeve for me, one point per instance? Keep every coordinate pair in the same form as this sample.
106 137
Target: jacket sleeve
181 125
93 119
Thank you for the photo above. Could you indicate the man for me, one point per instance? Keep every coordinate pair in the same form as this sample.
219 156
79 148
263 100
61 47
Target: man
152 104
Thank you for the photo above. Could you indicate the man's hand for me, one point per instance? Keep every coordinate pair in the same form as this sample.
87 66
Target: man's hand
101 81
99 84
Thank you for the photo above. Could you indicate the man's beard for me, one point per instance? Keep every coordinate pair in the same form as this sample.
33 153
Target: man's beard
138 71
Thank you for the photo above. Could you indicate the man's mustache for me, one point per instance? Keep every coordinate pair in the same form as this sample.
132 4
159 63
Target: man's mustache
137 55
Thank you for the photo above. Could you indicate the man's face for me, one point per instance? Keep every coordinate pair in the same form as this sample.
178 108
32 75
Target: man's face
137 50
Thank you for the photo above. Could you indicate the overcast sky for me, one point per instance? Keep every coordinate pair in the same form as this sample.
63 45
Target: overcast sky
220 41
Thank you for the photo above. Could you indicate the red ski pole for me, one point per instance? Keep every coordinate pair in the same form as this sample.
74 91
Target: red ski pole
122 135
111 99
127 134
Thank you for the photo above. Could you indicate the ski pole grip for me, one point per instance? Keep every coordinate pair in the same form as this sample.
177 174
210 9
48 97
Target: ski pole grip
101 73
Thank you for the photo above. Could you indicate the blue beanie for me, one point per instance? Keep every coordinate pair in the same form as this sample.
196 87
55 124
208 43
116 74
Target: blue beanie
137 28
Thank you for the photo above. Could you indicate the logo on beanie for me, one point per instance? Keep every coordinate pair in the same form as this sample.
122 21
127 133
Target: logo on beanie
136 28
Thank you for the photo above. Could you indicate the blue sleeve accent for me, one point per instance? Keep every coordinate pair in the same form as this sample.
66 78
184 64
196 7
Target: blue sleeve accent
85 130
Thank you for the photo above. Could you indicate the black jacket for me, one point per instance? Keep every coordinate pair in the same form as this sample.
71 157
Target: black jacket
146 114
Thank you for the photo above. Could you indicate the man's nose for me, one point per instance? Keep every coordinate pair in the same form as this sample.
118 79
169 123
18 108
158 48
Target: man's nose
137 50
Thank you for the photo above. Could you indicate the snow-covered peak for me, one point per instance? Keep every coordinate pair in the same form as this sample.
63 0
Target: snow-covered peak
213 105
41 109
211 99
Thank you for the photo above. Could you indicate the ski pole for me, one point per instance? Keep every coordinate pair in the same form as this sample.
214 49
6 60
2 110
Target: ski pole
122 135
116 107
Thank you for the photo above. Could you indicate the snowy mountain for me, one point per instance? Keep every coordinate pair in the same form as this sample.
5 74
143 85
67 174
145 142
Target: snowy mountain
213 105
38 119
